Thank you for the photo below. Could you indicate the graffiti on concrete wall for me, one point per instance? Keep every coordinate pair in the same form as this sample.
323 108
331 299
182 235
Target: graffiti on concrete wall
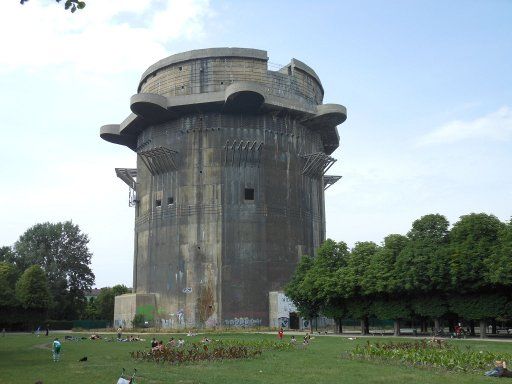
242 322
148 311
283 322
284 306
181 316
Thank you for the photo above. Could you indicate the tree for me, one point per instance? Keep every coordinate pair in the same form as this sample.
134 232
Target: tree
395 309
61 250
299 290
7 255
498 266
354 278
91 310
473 240
106 300
381 278
422 263
8 278
33 294
321 279
480 307
72 5
423 267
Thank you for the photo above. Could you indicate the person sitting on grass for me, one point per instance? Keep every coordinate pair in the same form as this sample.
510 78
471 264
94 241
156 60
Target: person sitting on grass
181 342
159 347
293 340
154 343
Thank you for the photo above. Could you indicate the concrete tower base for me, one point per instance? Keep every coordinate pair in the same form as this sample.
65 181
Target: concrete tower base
128 305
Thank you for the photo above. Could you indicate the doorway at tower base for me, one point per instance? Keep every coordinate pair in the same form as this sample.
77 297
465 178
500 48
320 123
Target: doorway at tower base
130 305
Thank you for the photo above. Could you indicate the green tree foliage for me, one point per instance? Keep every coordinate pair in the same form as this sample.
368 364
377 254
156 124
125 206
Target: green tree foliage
481 306
498 266
473 239
61 250
430 306
72 5
355 277
432 273
91 310
8 277
299 290
106 299
422 265
381 278
7 255
32 289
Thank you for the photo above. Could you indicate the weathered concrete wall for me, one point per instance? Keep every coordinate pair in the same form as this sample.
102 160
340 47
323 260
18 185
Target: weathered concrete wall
230 190
128 305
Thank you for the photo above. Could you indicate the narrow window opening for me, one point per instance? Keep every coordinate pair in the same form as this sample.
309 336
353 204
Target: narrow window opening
249 193
221 83
180 68
170 200
182 87
158 203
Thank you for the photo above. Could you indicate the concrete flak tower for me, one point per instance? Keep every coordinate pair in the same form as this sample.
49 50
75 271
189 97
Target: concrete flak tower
229 185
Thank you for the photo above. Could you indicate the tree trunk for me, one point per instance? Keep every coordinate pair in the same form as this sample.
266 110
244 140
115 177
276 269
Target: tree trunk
366 325
472 328
493 324
423 326
396 326
338 327
363 327
436 326
483 329
311 325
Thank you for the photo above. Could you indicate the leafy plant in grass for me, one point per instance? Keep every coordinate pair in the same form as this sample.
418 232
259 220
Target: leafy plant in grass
215 350
434 354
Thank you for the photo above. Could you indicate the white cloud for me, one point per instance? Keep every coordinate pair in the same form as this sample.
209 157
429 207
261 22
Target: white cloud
495 125
105 37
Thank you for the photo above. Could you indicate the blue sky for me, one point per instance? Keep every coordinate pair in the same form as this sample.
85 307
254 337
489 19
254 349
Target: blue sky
427 85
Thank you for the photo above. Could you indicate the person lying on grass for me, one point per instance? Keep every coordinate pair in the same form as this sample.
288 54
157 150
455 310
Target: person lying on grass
499 370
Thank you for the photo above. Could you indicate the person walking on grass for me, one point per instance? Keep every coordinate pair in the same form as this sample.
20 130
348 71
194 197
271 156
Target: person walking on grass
280 333
56 347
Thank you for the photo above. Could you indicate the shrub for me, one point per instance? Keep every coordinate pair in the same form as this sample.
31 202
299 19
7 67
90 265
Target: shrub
215 350
435 354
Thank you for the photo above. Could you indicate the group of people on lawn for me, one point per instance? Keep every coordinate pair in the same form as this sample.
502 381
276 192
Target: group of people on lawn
159 345
499 370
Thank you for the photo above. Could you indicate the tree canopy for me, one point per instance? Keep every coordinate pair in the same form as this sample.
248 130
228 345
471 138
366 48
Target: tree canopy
61 250
32 289
433 273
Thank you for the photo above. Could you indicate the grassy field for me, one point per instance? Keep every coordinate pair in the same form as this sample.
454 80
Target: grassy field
27 358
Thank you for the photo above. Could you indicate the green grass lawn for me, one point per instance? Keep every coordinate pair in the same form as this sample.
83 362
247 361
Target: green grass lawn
27 358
